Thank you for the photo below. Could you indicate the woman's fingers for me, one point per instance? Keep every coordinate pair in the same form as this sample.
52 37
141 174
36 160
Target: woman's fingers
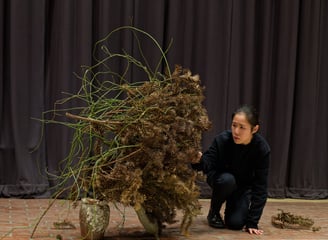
255 231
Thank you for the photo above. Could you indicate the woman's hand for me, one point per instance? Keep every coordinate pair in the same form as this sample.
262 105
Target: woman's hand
254 231
197 158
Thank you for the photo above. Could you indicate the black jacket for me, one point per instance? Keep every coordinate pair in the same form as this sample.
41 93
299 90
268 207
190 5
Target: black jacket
248 163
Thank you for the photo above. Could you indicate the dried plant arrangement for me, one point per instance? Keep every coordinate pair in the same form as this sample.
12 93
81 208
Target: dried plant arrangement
134 140
288 220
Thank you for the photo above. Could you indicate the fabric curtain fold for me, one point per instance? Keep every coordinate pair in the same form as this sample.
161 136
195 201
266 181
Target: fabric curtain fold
271 54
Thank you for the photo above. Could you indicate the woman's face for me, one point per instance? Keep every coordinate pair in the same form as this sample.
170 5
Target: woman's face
242 131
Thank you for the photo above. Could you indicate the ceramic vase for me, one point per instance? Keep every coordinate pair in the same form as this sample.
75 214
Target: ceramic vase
94 218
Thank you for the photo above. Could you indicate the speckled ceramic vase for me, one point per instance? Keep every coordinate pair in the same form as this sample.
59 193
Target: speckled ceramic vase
94 218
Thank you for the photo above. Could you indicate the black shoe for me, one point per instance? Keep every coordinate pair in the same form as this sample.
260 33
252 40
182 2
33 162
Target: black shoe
215 221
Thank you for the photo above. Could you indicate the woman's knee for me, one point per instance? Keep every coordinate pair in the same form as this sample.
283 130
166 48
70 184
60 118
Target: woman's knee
225 180
234 223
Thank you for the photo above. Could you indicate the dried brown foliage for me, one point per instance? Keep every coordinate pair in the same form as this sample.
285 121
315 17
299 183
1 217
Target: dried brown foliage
288 220
156 131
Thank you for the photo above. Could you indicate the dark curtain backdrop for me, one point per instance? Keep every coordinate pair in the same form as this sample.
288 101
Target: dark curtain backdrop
272 54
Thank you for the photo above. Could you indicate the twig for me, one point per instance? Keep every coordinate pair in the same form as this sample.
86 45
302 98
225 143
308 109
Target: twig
45 211
12 230
91 120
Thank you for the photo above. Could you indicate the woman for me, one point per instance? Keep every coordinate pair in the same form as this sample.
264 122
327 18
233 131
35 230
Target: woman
236 165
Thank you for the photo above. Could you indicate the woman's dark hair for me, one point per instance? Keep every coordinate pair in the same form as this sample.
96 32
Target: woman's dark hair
251 113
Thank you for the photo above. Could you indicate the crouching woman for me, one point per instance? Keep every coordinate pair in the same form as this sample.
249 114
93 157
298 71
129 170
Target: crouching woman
237 165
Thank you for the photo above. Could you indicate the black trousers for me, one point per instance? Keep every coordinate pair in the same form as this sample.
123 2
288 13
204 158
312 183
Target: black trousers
237 200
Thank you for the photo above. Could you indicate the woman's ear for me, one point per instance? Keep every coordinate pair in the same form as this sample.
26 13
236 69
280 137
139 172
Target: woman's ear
255 129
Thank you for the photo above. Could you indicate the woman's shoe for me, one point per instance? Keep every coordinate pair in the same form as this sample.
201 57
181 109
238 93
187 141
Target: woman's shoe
215 221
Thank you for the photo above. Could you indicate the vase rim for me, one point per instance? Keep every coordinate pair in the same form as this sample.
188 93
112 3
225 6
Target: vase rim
88 200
